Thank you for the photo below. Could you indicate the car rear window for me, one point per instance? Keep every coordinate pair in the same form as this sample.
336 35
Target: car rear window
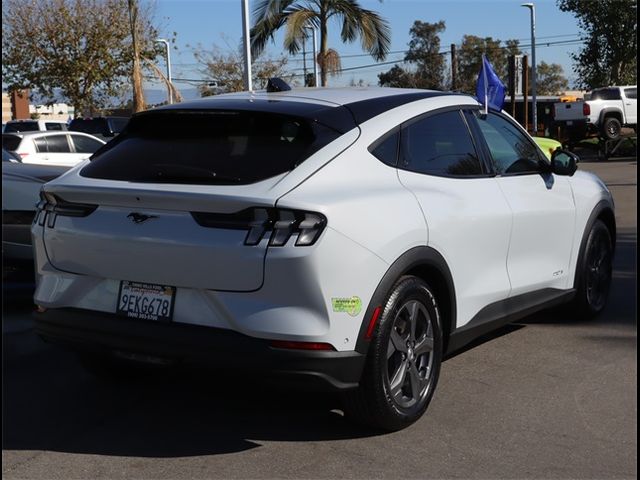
209 147
11 142
89 125
22 127
606 94
55 126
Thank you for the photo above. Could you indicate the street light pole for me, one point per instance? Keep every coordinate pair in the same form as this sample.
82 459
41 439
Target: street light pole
534 112
168 59
315 58
246 45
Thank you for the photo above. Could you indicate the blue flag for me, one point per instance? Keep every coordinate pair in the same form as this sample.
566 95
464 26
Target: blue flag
490 90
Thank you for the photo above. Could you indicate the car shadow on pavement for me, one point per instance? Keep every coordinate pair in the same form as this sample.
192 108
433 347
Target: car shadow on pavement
50 403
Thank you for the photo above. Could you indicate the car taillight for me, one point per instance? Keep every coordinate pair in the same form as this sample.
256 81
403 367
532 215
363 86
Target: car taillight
586 109
276 223
50 206
22 155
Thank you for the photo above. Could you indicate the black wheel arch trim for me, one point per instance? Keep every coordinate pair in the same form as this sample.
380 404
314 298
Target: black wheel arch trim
412 259
613 112
603 206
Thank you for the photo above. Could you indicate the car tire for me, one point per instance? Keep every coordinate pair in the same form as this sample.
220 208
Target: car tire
594 273
611 128
403 361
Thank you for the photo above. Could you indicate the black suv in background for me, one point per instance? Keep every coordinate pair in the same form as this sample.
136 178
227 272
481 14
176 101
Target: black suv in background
102 127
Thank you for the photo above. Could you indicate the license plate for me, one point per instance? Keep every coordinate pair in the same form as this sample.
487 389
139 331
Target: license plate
146 301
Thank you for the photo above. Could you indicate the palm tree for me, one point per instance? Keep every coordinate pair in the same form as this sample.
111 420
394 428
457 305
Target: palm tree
271 15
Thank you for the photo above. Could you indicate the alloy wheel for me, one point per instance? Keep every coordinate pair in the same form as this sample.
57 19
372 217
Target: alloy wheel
410 354
598 271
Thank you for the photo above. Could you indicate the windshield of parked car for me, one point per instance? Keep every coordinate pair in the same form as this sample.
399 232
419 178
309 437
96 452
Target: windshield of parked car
21 127
208 147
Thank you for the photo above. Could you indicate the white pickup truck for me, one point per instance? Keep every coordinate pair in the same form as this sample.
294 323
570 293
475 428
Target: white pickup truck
604 111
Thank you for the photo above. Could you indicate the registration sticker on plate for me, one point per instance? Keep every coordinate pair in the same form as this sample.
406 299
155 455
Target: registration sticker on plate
146 301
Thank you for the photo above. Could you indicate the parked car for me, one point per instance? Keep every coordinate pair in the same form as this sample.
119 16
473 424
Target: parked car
609 109
102 127
52 148
8 156
547 145
604 112
34 126
21 184
348 238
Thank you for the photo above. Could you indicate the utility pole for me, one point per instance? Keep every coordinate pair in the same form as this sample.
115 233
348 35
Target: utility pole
534 107
168 58
454 68
525 91
512 84
304 59
316 79
246 45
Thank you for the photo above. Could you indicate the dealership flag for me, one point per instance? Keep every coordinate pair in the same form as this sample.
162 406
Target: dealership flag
489 89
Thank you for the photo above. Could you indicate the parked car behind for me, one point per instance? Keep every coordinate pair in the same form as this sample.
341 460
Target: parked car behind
102 127
21 184
8 156
547 145
51 148
34 126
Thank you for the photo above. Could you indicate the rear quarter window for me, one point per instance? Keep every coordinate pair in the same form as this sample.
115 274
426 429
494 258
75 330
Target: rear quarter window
209 147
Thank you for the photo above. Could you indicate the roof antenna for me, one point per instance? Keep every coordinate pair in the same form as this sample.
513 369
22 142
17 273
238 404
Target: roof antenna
276 84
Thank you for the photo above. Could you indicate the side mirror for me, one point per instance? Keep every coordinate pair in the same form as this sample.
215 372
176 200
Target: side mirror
564 162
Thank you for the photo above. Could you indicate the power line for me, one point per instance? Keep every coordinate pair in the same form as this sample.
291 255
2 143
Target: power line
382 64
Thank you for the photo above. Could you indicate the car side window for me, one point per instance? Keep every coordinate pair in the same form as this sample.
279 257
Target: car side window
53 126
440 145
631 93
511 151
85 144
58 144
41 145
385 149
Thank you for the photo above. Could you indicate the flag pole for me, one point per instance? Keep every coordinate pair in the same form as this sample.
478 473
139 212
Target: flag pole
486 87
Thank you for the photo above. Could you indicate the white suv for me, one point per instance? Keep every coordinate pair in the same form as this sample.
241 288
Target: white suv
34 126
347 238
52 148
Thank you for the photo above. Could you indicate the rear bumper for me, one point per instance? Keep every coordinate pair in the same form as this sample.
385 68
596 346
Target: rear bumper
106 333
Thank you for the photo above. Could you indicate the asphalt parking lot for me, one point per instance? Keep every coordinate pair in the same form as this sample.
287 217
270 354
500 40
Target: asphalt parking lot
544 398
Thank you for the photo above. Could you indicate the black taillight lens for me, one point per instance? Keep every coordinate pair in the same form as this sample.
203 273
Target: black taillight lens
276 223
50 206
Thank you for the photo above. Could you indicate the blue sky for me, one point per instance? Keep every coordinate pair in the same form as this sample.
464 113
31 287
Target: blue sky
209 22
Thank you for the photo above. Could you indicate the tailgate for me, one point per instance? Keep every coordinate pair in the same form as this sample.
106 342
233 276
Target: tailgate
153 237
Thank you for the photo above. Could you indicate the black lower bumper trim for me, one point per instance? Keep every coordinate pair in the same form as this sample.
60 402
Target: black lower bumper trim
104 333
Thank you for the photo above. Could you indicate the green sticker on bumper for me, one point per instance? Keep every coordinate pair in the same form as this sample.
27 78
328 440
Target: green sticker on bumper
352 305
